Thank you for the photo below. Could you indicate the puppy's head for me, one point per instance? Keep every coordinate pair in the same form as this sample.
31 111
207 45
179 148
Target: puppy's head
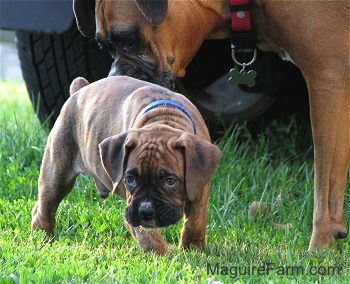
152 40
160 169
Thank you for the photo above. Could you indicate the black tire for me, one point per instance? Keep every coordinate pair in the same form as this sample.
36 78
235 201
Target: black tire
50 62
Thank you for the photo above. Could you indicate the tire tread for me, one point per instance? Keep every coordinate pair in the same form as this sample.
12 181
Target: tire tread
49 63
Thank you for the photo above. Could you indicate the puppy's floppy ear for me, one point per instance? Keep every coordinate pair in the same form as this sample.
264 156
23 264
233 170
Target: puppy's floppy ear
77 84
153 10
113 153
201 159
84 17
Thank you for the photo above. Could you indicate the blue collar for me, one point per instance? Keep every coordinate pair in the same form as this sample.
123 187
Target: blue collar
169 103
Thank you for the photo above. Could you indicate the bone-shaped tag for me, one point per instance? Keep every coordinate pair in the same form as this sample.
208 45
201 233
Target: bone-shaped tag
242 77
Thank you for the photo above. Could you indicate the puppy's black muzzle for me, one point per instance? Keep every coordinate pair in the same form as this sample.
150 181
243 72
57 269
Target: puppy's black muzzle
142 71
158 215
146 212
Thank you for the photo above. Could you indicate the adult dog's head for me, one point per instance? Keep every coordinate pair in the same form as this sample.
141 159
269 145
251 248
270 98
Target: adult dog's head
153 40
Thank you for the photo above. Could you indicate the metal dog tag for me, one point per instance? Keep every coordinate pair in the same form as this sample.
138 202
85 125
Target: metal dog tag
242 77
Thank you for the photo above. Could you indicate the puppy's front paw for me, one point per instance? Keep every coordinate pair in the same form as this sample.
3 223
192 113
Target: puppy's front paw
151 241
190 237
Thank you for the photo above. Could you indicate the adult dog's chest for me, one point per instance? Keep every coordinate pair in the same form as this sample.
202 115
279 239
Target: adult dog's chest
272 26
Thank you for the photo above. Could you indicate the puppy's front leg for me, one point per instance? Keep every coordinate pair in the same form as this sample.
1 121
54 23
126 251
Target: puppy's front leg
196 219
149 240
55 182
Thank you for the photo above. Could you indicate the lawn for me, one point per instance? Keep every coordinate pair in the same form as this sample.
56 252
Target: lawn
94 247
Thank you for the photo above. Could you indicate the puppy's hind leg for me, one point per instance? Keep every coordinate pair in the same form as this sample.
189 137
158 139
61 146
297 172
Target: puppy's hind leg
56 180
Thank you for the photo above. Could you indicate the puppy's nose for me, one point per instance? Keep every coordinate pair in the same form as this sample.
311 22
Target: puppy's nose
146 210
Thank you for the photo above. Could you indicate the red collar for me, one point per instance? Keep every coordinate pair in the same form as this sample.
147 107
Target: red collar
240 15
242 36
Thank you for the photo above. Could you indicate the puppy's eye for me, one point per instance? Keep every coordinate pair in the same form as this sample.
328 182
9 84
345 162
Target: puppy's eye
170 182
130 181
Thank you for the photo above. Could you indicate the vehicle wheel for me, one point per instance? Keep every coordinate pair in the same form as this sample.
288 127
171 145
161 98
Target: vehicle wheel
280 89
50 62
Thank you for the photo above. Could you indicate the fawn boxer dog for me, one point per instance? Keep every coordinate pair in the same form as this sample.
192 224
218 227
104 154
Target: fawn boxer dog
156 39
138 140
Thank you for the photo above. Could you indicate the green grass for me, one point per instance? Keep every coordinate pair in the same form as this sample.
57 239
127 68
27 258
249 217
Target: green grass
94 247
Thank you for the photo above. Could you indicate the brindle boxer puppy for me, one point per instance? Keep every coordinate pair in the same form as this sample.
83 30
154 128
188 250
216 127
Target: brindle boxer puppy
138 140
156 39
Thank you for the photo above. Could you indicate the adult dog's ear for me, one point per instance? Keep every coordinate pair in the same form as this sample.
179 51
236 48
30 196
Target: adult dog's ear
84 17
201 160
153 10
114 151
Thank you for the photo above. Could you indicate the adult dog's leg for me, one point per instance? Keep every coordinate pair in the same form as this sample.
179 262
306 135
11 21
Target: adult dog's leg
316 36
326 70
330 117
